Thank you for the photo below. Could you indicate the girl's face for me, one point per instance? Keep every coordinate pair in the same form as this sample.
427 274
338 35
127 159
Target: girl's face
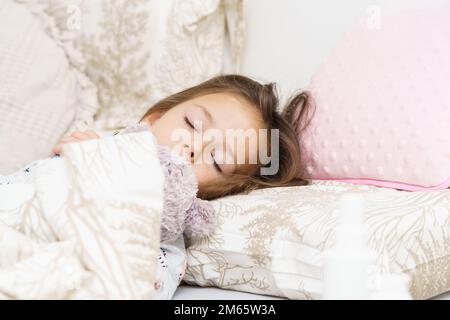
197 129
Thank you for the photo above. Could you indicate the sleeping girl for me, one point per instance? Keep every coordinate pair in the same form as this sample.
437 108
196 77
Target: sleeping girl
200 161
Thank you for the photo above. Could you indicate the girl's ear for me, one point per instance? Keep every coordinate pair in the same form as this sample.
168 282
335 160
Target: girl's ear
151 118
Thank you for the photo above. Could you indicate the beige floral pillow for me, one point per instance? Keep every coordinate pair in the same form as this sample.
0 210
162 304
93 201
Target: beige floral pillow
140 51
271 241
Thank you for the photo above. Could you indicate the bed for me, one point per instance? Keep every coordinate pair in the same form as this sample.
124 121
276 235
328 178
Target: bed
289 63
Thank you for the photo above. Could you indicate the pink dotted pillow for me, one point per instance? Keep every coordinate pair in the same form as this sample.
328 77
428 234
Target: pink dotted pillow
383 105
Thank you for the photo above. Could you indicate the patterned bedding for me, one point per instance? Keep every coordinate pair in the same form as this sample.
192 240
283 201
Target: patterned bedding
86 225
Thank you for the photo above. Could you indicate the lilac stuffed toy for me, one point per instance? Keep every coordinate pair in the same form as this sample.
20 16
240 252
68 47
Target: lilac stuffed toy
183 211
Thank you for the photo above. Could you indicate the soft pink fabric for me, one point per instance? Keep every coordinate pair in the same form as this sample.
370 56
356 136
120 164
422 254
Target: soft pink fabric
383 105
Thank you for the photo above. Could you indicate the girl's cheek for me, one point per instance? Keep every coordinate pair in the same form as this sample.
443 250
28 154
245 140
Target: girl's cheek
198 174
202 173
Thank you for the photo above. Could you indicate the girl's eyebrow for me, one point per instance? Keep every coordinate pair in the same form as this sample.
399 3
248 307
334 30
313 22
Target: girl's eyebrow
206 113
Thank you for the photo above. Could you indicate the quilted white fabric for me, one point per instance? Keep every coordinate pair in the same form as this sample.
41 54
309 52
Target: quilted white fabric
43 92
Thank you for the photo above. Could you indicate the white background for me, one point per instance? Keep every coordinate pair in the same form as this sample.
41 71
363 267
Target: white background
287 40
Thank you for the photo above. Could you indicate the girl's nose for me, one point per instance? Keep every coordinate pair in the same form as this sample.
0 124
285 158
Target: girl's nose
196 150
186 153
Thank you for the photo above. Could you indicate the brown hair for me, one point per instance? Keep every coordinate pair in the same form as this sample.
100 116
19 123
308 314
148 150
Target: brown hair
265 99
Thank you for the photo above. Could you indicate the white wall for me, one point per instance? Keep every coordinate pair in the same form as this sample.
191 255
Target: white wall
287 40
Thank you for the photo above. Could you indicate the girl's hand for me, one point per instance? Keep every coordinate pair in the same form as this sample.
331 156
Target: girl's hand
76 136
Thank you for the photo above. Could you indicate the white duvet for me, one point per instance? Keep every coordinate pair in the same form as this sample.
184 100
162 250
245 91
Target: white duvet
87 226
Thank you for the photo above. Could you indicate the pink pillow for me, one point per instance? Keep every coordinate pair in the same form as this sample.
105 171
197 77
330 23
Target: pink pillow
383 105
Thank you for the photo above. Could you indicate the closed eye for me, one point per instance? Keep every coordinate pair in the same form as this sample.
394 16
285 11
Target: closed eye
188 122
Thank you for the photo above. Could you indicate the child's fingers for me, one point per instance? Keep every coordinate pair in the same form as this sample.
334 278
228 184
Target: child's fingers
67 139
86 135
76 136
57 149
80 135
92 134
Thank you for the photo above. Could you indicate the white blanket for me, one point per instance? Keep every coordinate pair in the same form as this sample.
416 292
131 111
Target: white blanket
87 226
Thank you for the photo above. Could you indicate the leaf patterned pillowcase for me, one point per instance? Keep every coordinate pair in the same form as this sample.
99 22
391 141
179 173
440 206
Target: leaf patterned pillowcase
271 241
140 51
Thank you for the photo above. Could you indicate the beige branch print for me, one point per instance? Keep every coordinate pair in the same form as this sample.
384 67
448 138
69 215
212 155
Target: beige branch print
116 57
